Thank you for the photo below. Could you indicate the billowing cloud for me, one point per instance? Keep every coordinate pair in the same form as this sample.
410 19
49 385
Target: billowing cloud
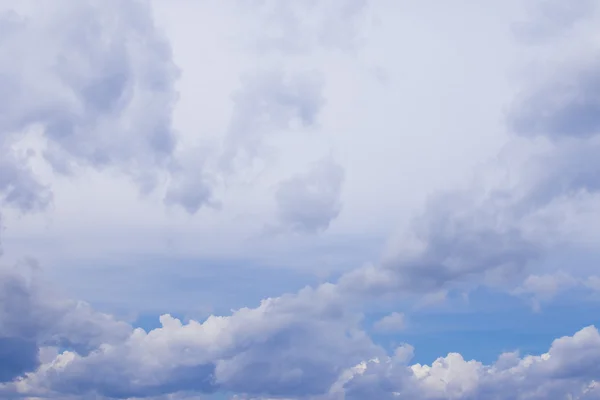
274 349
567 370
277 350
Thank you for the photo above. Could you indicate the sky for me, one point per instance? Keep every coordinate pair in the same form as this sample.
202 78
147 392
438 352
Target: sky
302 200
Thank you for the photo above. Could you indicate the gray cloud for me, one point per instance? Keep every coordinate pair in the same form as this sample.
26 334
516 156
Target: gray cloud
32 316
491 235
100 84
96 79
311 201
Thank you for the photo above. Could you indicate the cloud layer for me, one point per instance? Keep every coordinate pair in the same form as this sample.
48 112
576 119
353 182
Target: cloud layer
99 94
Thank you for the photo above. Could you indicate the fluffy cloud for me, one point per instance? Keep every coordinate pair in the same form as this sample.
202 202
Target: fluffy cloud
297 346
567 370
274 349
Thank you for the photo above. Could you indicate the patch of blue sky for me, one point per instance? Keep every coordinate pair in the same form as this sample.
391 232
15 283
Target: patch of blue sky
490 323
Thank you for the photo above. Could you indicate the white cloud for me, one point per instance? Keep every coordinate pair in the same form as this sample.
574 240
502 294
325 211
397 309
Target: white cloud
276 349
567 369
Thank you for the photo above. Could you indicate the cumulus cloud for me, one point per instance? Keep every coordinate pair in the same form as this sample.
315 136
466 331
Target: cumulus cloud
274 349
567 370
311 201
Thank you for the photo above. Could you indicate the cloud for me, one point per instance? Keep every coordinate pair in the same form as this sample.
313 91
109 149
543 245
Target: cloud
31 316
270 102
277 348
300 345
310 202
93 84
392 323
514 212
566 106
274 349
567 370
277 97
99 85
19 186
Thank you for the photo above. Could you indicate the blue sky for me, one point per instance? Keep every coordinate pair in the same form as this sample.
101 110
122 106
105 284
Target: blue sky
332 200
